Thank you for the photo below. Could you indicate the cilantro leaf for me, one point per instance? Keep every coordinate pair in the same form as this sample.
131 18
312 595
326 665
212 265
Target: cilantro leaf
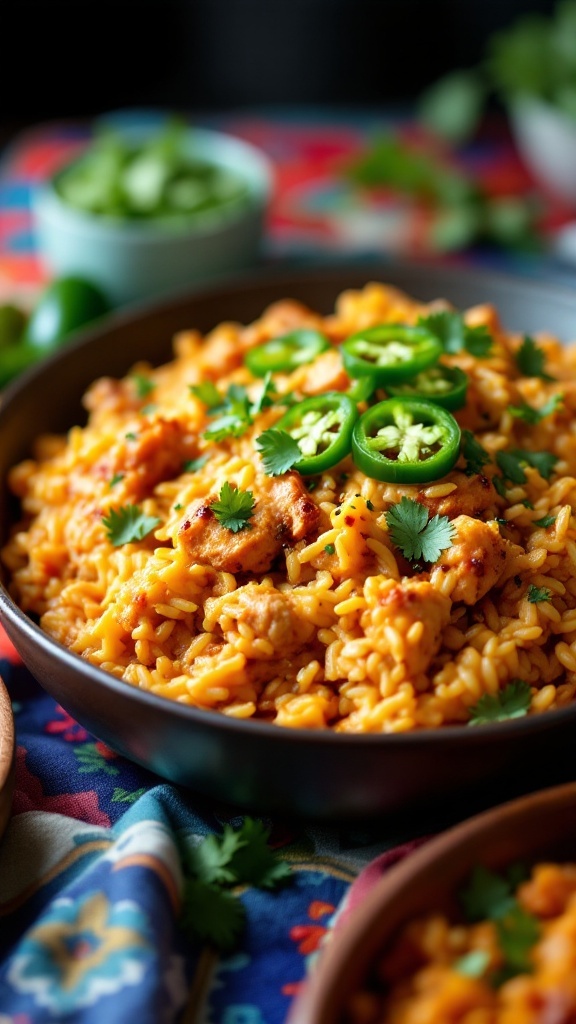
491 896
530 414
116 479
450 328
209 859
544 462
476 456
511 702
213 866
415 534
143 385
211 914
510 465
486 896
254 861
235 418
207 393
279 451
537 594
233 508
518 931
510 462
267 397
544 522
128 523
530 360
193 465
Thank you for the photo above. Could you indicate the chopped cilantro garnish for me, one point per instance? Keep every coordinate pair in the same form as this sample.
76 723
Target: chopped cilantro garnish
143 385
329 549
456 335
499 486
544 522
511 463
233 508
147 409
116 479
530 360
531 415
537 594
476 456
131 436
511 702
415 534
193 465
278 450
518 931
487 895
267 397
234 411
178 507
212 912
128 523
207 393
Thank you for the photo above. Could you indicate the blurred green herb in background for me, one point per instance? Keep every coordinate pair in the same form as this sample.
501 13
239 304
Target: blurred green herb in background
534 57
463 214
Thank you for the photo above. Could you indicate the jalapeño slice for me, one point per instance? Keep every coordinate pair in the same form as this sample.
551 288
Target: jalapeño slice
390 353
322 427
406 440
287 352
445 385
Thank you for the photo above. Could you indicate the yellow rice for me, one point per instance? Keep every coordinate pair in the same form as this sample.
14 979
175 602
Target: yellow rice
185 630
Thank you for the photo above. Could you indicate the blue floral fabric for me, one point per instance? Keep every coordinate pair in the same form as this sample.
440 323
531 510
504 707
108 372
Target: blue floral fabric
91 889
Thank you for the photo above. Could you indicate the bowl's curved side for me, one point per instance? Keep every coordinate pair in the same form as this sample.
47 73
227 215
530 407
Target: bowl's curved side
541 825
288 772
7 746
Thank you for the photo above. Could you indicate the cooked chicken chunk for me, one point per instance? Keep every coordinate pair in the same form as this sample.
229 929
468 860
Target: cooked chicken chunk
283 513
473 496
476 559
402 606
271 614
155 453
325 374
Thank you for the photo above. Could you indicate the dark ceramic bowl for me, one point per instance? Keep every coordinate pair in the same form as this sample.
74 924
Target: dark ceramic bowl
259 767
538 827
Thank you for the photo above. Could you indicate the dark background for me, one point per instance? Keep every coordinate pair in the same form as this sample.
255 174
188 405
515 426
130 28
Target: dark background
83 58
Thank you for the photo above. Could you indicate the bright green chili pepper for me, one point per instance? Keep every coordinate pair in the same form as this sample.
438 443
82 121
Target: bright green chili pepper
361 390
322 427
390 353
287 352
406 440
445 385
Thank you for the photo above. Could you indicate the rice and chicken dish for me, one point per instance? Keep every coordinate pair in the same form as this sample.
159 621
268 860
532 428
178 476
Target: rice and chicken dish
361 521
507 955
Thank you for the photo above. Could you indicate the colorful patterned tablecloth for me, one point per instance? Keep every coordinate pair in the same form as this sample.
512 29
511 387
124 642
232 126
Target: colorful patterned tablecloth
90 868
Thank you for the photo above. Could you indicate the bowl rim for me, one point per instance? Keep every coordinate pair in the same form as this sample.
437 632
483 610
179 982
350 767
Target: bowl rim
7 755
284 736
257 171
365 929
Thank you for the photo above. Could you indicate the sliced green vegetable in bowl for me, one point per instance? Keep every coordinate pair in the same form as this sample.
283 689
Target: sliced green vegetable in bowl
154 178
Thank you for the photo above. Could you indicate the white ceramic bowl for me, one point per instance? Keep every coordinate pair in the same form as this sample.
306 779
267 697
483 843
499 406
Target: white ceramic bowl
546 141
136 261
